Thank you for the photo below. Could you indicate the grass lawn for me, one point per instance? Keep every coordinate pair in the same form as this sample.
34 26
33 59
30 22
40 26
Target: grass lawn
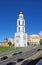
33 62
4 49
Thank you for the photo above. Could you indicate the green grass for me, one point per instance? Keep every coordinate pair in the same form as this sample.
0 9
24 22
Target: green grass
5 49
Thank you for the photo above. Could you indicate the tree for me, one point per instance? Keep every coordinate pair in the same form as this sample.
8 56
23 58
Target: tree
28 43
40 41
9 43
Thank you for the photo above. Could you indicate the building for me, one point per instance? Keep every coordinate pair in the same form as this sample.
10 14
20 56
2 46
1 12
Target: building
21 38
20 35
6 41
34 39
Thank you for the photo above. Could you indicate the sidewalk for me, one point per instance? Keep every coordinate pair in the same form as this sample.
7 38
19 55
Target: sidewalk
32 57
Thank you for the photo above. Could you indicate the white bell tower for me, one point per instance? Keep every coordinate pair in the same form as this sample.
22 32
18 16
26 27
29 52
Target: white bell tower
20 23
20 35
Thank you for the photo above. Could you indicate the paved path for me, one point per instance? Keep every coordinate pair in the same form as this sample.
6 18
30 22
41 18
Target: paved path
30 58
24 55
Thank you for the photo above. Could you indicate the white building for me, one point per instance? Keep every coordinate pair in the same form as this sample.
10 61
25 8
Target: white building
20 35
34 39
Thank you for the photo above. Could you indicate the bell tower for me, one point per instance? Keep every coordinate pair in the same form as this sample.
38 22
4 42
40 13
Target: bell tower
20 35
20 23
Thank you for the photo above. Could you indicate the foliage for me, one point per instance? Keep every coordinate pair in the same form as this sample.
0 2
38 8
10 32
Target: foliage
27 43
40 41
9 43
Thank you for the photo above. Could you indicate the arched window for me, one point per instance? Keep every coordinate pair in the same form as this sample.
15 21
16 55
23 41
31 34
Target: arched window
20 16
23 23
19 22
19 29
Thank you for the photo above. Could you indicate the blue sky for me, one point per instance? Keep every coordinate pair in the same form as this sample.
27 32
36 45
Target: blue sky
9 10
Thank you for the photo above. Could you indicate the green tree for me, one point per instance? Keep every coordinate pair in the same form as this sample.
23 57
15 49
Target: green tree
28 43
40 41
9 43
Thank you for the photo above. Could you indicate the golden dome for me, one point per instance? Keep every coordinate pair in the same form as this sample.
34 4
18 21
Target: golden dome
21 12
